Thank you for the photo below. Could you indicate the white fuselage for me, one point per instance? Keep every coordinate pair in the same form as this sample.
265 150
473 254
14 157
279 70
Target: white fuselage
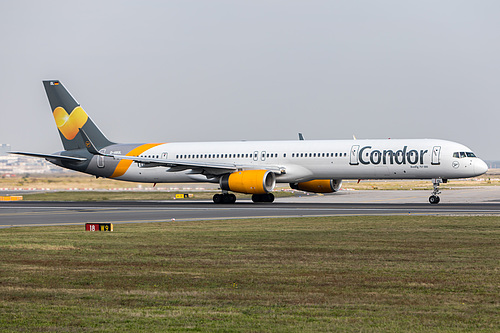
300 161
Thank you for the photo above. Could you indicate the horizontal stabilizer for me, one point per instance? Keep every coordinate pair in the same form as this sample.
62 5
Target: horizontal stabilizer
50 156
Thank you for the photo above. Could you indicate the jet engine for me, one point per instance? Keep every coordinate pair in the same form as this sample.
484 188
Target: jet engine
318 185
249 181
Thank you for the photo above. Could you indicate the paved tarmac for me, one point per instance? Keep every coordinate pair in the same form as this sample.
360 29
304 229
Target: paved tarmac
469 201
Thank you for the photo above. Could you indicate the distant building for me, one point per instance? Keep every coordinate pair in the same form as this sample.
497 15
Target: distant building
4 148
23 165
493 164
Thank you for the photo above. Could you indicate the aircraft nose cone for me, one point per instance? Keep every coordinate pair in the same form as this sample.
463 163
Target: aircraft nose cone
480 167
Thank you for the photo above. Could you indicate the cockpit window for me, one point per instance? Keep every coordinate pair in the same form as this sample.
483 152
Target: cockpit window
463 154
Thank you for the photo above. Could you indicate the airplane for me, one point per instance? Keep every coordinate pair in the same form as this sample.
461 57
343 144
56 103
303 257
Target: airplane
251 167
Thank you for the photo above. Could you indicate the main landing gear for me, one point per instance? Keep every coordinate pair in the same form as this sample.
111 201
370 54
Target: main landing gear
268 197
229 198
224 198
434 198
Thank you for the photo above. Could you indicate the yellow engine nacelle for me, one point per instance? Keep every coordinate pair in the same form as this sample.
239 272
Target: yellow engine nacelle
318 185
249 181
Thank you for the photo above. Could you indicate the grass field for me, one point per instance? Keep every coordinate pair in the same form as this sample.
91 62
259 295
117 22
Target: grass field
347 274
87 188
82 181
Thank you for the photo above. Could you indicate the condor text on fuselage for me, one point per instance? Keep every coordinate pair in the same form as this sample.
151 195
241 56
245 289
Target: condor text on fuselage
388 156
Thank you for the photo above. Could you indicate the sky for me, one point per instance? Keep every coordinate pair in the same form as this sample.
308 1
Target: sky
167 71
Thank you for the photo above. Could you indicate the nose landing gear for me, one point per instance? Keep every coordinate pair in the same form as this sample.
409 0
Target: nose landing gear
434 198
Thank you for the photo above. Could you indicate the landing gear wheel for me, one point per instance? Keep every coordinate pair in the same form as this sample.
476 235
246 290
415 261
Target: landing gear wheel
434 199
267 197
231 198
224 198
217 198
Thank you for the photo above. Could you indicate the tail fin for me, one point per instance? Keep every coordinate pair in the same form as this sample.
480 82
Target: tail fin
70 117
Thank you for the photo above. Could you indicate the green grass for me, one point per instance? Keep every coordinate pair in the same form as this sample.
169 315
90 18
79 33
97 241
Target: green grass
347 274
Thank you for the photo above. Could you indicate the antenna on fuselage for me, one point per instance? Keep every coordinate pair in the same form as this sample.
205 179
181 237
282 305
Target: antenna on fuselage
301 137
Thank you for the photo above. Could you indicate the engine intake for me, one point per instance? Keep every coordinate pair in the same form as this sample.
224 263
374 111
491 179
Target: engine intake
318 185
249 181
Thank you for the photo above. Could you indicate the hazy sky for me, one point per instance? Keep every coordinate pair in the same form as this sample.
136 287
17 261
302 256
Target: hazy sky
163 71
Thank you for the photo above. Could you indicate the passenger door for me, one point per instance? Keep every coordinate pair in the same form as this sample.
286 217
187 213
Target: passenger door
100 159
436 155
354 155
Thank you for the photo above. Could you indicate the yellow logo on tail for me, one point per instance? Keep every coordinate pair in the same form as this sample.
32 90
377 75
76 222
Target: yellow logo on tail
69 125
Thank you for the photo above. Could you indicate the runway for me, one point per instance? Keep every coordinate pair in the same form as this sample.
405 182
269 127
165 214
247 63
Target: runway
25 213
